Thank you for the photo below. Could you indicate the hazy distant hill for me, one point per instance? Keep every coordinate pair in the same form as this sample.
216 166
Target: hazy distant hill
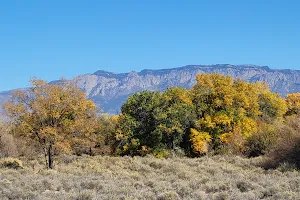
110 90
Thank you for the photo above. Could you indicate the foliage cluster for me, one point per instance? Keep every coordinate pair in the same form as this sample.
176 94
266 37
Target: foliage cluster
219 115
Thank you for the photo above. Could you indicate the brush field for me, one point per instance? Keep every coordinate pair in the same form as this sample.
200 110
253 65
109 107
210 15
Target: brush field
105 177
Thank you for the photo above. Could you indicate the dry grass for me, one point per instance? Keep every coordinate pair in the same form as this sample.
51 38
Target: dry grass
218 177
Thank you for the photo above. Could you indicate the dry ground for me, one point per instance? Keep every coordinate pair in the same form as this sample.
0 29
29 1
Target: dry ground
218 177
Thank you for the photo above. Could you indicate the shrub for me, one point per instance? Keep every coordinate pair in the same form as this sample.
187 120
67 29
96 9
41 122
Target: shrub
287 150
12 163
261 141
170 195
8 146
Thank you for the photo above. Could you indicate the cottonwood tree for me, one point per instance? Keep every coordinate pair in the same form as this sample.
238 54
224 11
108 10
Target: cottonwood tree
154 122
228 109
57 116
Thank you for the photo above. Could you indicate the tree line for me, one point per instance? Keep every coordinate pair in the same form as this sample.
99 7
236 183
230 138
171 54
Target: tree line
218 115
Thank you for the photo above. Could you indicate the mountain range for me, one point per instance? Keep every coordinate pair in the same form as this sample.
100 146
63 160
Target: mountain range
110 90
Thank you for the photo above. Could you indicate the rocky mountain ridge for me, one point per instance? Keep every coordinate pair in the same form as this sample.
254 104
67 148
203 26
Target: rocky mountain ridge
110 90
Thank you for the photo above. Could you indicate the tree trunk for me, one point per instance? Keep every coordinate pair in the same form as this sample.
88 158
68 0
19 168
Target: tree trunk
50 157
91 151
46 155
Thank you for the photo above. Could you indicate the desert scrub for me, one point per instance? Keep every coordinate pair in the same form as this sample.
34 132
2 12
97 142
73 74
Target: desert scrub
105 177
12 163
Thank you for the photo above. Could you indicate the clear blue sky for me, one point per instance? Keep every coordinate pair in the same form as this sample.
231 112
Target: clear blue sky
51 39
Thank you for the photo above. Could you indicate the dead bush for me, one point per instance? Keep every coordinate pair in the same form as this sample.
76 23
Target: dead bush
12 163
262 141
288 148
8 145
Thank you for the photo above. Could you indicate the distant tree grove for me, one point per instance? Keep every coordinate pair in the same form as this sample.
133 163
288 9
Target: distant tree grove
218 115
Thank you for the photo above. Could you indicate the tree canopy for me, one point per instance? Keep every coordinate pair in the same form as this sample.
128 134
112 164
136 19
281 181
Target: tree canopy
218 111
60 117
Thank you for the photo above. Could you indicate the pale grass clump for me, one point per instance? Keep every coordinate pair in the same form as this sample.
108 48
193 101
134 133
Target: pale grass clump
105 177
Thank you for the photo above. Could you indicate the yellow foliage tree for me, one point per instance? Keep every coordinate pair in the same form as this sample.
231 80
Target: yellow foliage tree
293 103
58 116
228 108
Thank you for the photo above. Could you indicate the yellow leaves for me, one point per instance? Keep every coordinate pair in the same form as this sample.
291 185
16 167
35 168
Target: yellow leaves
199 141
215 120
293 103
225 137
161 153
135 142
185 99
145 148
55 114
63 147
14 110
48 132
248 126
272 105
125 147
178 95
115 118
120 135
37 82
243 128
206 122
293 99
214 81
222 119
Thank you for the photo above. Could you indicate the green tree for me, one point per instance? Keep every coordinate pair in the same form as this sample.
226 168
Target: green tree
138 123
156 122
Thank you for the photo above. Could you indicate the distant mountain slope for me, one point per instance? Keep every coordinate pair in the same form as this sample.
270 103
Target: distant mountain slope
110 90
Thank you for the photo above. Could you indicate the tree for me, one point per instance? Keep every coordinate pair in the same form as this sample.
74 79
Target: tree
59 117
138 123
106 142
176 116
155 122
226 108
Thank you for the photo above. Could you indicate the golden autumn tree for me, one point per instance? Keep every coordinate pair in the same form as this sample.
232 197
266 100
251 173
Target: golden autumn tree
224 108
227 109
59 117
293 103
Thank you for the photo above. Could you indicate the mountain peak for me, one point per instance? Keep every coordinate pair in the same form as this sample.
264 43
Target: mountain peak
110 90
104 73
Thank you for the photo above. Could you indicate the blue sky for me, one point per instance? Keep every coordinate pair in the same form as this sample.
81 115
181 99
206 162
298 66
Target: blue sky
51 39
